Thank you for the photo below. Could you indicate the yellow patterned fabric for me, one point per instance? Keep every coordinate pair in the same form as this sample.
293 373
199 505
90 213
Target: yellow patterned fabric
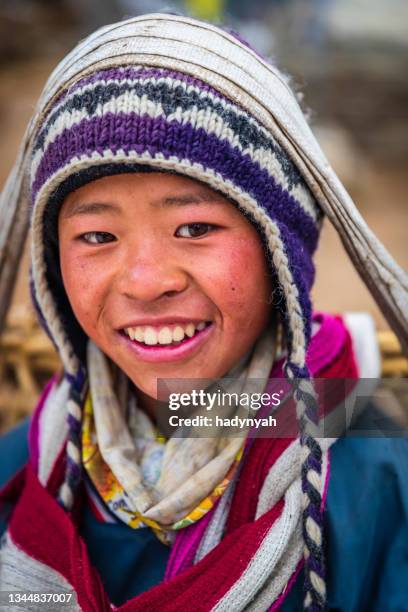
114 494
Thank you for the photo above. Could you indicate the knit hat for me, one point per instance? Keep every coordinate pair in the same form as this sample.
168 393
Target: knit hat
168 93
140 118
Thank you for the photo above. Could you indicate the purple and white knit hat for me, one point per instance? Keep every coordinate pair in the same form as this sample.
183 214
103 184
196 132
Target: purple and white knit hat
173 93
169 93
117 120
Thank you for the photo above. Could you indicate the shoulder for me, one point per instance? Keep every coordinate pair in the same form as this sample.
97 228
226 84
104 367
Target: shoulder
373 442
369 463
13 451
366 518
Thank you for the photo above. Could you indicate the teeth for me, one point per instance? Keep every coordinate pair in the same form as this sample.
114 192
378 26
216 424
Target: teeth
178 334
166 335
150 336
139 334
190 329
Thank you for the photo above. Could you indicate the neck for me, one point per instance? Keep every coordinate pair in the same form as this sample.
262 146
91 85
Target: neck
149 404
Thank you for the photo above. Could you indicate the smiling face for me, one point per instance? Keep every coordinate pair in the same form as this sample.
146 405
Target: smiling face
165 275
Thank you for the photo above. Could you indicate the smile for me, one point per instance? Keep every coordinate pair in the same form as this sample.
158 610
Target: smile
168 343
167 335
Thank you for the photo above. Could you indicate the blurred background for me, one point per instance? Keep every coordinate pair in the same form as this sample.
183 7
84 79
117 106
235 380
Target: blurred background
348 58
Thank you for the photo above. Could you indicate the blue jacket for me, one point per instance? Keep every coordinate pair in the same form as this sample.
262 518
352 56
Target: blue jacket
366 530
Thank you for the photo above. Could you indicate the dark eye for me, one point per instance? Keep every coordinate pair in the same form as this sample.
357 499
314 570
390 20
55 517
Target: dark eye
194 230
97 237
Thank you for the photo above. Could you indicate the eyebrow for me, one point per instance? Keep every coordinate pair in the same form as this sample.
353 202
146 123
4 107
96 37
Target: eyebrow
91 208
186 200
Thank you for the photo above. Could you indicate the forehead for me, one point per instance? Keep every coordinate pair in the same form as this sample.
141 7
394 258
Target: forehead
157 189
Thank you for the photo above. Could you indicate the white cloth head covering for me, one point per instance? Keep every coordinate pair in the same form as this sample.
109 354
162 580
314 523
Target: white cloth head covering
204 51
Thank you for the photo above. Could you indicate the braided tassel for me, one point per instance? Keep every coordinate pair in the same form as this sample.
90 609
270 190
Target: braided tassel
311 476
73 471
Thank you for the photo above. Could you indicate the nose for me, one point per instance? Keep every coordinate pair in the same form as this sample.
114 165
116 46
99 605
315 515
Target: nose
150 273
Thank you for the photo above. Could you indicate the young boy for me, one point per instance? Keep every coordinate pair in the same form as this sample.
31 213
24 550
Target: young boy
177 196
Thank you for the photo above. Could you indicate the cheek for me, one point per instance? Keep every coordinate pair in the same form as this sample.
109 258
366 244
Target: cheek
242 283
84 286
